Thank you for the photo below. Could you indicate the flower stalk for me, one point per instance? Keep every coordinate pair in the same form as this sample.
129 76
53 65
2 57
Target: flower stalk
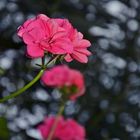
50 136
18 92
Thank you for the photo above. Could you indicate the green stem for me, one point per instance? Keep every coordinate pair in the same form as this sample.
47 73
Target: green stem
43 61
18 92
15 94
50 136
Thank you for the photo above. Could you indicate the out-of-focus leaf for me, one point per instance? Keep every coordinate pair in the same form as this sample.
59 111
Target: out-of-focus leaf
4 132
2 71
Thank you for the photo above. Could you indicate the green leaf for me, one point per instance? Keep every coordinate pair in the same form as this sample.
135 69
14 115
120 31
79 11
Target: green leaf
2 71
4 132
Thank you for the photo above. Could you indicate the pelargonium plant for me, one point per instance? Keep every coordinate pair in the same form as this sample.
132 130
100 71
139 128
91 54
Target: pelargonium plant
58 39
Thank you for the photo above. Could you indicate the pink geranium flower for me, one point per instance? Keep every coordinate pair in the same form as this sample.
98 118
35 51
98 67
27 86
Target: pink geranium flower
80 52
69 81
42 34
65 130
57 36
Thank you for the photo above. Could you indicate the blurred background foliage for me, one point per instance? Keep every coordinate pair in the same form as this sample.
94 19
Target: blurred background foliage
110 108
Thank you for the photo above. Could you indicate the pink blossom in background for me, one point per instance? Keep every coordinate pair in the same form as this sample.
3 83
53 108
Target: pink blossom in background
65 130
44 34
63 76
56 36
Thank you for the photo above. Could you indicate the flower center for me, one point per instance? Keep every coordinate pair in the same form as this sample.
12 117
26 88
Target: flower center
45 43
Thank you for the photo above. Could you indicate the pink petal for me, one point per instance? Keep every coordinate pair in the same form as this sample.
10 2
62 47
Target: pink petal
53 26
45 27
43 17
62 46
29 21
68 58
83 51
36 23
34 51
73 35
37 34
59 35
45 45
59 21
28 38
22 29
80 57
64 23
80 35
29 25
84 43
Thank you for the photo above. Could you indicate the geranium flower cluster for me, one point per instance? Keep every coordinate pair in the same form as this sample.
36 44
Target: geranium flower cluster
44 35
66 129
57 36
69 81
